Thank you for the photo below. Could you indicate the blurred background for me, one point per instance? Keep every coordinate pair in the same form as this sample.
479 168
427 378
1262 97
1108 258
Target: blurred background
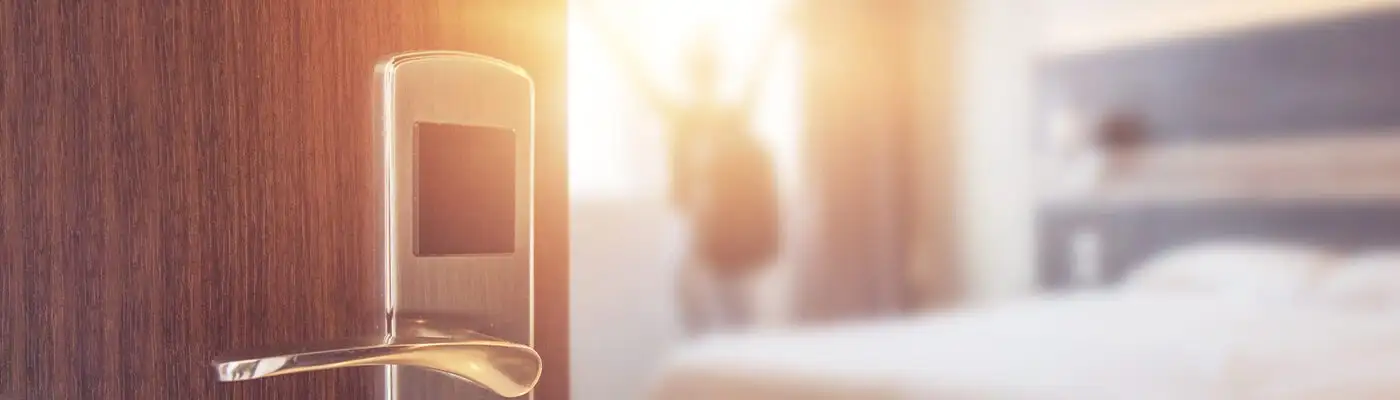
934 154
852 107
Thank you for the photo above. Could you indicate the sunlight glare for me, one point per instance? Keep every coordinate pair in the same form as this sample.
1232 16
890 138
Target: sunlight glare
611 154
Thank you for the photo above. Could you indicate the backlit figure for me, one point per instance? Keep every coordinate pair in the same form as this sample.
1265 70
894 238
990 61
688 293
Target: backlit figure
722 180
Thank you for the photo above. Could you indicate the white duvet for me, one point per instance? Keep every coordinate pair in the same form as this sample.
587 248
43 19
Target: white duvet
1093 346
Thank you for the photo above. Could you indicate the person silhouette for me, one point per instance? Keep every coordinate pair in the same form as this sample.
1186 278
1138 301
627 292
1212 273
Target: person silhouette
721 182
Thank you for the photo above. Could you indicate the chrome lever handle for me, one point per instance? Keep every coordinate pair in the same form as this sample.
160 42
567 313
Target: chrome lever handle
505 368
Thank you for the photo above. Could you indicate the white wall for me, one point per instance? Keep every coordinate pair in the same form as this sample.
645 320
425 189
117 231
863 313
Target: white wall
993 186
624 257
1083 25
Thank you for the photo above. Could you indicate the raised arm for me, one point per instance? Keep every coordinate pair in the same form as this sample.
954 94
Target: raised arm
758 72
632 67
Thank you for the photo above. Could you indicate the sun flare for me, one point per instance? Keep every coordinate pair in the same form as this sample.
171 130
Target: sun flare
607 153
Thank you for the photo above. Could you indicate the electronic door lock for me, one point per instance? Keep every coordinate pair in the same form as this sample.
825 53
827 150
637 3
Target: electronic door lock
454 134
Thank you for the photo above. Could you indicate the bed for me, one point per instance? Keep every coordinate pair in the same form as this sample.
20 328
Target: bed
1082 347
1214 320
1248 249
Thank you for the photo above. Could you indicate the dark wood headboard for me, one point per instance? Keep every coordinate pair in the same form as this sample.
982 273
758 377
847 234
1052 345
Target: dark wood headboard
1320 80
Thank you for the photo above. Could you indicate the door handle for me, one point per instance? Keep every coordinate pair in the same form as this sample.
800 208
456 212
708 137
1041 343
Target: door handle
505 368
453 157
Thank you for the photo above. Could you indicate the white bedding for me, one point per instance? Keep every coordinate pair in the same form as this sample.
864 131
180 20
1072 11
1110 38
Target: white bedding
1093 346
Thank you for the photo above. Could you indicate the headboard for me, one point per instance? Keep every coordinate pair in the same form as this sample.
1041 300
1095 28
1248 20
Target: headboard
1282 133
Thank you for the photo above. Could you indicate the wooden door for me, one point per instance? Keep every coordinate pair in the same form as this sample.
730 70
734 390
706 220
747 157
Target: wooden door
183 178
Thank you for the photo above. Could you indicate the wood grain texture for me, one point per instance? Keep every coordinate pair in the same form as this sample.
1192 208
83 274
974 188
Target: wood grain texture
182 178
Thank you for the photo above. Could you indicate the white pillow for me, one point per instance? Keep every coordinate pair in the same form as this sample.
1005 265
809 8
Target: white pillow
1369 281
1240 270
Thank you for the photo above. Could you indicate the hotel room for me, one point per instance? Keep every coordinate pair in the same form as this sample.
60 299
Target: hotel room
998 199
